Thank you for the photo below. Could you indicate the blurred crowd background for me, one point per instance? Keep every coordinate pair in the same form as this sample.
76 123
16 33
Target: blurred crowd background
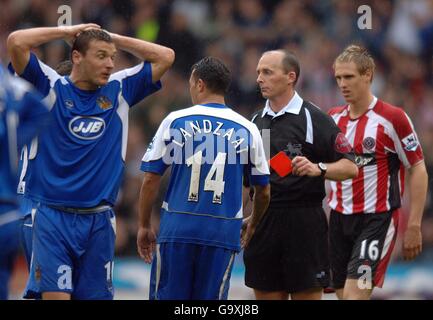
238 31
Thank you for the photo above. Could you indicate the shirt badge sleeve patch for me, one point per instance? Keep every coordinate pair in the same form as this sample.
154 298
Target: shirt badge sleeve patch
410 142
342 145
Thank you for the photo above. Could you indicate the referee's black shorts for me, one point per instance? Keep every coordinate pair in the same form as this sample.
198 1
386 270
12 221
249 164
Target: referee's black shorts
289 251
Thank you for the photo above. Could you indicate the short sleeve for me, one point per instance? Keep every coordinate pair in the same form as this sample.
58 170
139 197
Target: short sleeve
136 82
259 168
333 143
26 103
41 76
154 159
34 116
406 142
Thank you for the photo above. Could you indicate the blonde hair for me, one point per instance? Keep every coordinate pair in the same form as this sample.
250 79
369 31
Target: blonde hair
360 56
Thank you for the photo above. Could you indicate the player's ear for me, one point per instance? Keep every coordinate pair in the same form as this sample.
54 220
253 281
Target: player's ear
201 85
76 57
369 75
291 77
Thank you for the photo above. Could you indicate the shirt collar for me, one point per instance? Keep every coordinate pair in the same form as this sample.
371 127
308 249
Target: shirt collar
373 103
215 105
294 106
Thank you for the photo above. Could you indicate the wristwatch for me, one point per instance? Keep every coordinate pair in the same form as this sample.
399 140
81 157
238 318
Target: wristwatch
323 168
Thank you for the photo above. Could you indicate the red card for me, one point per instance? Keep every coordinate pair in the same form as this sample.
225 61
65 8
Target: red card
281 163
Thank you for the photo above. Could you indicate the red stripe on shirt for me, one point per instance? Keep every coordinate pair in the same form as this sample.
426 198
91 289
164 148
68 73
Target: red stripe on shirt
342 124
382 172
358 182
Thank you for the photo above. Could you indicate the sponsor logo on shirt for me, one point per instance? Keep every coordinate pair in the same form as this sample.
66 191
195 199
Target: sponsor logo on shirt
362 160
87 128
410 142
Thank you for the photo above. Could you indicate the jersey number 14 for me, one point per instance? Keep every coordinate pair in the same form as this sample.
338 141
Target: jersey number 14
214 179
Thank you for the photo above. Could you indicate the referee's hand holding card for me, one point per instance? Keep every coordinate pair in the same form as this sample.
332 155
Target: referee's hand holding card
299 166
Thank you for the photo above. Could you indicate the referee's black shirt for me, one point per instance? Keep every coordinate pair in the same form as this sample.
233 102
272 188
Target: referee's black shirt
301 129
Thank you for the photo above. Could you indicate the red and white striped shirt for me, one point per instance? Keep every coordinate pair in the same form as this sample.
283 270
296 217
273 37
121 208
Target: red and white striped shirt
384 142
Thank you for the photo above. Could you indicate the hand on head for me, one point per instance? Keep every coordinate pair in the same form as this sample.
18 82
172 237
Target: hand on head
72 32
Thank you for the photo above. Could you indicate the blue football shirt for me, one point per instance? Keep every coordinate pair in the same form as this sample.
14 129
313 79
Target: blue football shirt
79 162
22 116
210 149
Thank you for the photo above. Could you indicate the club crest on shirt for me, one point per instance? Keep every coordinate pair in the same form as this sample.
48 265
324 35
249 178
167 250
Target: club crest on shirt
410 142
369 143
104 103
342 145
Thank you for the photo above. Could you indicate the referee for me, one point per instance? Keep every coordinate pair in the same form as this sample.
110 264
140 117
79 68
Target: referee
288 254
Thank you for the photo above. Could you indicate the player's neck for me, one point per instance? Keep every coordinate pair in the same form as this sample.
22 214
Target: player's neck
278 103
359 107
82 83
212 98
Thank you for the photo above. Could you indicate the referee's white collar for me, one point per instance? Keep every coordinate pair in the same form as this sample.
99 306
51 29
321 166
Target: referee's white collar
294 106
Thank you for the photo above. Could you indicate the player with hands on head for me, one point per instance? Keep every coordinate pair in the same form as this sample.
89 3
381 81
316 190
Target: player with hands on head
78 164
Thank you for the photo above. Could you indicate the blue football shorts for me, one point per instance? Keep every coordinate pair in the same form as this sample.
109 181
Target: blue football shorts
185 271
9 246
72 253
28 210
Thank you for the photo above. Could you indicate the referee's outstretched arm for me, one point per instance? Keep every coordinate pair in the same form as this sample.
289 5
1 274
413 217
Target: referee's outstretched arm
342 169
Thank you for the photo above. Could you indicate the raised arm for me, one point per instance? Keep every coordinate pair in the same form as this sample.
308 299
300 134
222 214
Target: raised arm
19 43
338 171
341 170
160 57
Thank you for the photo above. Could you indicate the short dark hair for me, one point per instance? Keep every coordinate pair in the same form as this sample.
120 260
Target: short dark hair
64 68
214 74
291 63
81 43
